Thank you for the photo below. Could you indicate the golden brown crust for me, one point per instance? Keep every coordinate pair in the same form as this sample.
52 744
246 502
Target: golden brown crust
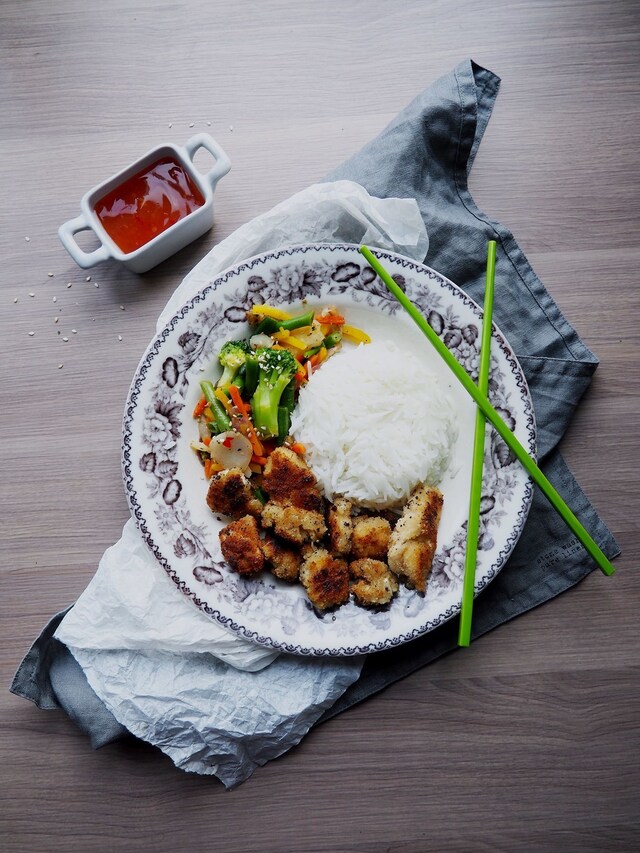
241 547
293 524
325 579
284 561
288 479
414 538
340 526
230 493
370 538
372 582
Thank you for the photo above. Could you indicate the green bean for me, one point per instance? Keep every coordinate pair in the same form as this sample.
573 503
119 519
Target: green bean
284 422
251 375
288 399
297 322
267 326
308 353
239 382
332 340
221 417
258 492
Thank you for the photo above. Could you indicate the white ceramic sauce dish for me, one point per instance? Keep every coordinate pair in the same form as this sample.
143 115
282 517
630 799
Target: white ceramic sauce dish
168 241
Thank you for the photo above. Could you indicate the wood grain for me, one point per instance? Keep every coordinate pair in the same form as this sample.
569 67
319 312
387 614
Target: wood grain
527 741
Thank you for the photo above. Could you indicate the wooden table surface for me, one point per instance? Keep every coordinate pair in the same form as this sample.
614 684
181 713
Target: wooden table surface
530 739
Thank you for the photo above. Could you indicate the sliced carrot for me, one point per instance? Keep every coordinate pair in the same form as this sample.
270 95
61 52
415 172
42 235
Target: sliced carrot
201 405
298 447
207 440
241 406
332 320
207 468
255 468
259 460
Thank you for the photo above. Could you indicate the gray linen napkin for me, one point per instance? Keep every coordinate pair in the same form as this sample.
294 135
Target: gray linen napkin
426 153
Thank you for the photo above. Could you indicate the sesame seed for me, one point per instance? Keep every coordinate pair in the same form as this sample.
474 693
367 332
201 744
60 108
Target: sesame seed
15 300
170 124
69 284
31 334
31 294
191 124
50 274
55 319
208 124
55 298
60 366
122 307
119 337
95 284
28 239
74 331
88 278
231 128
65 340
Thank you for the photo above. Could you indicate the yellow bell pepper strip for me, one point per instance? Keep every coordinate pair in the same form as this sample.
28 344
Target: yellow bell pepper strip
355 334
270 311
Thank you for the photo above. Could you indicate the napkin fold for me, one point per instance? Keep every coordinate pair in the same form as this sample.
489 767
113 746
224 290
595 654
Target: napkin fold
425 154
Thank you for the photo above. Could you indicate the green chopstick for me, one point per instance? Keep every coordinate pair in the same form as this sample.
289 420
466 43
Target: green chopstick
473 522
494 418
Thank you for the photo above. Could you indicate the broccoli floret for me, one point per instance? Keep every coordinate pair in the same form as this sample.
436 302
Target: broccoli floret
232 356
276 368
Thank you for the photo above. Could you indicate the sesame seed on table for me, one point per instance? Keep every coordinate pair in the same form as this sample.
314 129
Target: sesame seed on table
528 739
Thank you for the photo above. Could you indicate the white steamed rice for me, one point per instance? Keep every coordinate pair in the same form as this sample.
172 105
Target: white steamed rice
375 423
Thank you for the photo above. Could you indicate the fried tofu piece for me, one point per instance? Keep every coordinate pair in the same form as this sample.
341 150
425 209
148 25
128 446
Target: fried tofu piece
340 525
326 580
288 480
283 560
293 524
230 493
295 509
241 546
414 538
370 538
372 583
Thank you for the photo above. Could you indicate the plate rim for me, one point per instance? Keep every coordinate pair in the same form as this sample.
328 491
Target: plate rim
135 509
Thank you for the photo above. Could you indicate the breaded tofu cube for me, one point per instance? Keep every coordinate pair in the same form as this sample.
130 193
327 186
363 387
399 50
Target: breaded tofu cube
241 546
372 583
370 538
287 479
293 524
283 560
230 493
295 509
325 579
340 525
414 538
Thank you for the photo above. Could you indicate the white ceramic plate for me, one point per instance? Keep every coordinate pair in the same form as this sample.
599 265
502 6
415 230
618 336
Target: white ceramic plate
165 484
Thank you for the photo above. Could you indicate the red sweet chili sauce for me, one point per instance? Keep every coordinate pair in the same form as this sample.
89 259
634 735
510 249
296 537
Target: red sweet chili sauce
148 203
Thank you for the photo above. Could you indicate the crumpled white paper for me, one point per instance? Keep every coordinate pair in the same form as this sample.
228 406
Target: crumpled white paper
212 701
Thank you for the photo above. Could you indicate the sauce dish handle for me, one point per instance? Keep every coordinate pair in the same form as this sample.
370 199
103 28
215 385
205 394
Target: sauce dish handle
83 259
222 163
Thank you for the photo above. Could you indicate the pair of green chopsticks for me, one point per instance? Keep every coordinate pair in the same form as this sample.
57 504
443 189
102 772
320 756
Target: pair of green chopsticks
486 411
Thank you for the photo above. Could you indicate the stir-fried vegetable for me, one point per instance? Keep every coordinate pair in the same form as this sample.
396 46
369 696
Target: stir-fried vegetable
247 412
276 369
232 357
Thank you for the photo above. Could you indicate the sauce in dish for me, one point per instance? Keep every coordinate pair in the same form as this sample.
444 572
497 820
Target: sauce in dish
148 203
